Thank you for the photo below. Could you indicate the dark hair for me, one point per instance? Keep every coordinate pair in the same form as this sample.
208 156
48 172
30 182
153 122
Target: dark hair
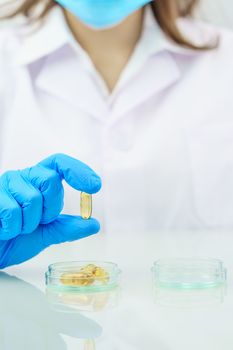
166 13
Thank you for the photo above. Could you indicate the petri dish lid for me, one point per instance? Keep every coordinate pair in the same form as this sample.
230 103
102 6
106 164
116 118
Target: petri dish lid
188 273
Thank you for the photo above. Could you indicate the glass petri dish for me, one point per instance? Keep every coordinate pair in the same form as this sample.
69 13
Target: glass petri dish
188 273
82 276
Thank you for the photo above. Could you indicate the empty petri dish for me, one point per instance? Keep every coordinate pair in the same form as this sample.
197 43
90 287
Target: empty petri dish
188 273
83 276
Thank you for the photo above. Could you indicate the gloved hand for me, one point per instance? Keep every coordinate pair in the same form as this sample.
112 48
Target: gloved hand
31 201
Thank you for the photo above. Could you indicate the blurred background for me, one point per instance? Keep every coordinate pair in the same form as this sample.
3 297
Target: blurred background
219 12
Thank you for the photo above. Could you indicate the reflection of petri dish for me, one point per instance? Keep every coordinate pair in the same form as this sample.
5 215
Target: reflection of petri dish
83 301
82 276
188 273
189 298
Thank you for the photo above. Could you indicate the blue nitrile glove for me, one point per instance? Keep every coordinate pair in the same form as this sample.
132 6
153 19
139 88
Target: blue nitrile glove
31 201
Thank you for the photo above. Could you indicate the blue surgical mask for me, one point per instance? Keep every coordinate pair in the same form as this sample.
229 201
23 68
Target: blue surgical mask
102 14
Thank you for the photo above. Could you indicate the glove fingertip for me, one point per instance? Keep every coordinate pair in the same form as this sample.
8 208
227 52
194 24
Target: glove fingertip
90 225
83 228
96 184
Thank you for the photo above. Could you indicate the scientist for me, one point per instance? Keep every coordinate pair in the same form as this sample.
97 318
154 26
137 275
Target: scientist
136 89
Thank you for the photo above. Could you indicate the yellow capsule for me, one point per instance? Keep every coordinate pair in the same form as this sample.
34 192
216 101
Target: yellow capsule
86 276
101 275
90 268
85 205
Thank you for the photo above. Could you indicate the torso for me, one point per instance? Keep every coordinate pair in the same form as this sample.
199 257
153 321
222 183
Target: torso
163 144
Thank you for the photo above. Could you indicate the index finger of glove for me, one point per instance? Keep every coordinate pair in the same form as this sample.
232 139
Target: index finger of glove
77 174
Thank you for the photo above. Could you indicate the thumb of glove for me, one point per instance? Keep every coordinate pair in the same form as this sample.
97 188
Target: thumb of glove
65 228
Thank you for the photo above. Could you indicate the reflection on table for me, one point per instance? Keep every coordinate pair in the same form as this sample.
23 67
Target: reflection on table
28 322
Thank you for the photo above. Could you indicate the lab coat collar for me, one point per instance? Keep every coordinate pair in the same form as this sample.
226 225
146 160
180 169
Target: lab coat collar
64 77
54 33
54 40
154 39
43 39
158 74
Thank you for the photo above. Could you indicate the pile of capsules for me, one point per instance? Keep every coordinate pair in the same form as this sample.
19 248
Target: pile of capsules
85 276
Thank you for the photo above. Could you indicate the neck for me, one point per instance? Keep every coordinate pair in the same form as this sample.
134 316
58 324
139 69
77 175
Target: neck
109 49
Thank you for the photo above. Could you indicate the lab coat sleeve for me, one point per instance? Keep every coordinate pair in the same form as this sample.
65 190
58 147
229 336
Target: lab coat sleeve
3 75
5 87
1 79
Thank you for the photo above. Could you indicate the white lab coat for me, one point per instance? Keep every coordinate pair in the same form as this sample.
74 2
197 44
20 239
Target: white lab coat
162 141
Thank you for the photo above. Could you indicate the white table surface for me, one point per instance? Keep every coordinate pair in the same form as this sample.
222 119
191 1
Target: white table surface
137 319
